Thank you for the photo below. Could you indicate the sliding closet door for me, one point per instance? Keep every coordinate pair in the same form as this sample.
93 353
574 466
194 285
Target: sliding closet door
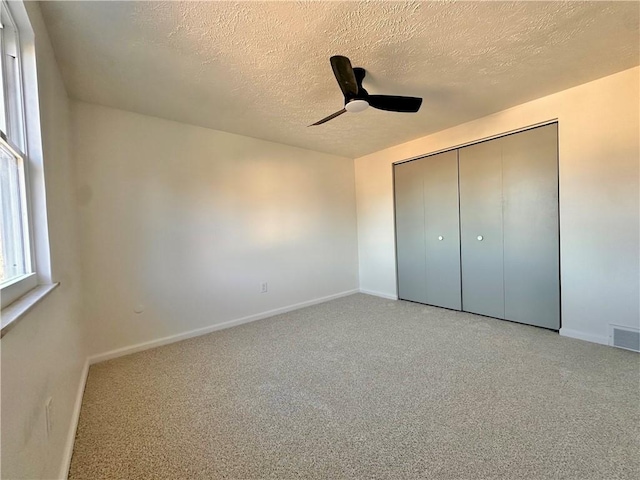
481 229
442 228
531 234
410 232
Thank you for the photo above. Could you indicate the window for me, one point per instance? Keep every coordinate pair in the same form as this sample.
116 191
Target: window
17 253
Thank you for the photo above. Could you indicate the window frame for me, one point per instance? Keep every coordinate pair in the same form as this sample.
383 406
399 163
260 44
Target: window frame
30 136
16 287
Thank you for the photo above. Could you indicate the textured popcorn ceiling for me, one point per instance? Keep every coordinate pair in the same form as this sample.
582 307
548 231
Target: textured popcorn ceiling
262 69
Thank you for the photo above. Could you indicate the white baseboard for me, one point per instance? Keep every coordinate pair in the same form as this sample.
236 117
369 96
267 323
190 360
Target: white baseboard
75 417
120 352
379 294
565 332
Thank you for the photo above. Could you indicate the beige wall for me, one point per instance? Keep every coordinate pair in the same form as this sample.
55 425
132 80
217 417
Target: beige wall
599 196
43 355
189 221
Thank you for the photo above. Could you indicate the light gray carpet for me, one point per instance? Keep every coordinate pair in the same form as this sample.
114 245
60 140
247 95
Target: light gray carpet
363 387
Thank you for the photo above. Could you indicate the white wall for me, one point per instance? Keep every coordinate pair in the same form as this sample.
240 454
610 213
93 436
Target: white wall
44 354
599 196
189 221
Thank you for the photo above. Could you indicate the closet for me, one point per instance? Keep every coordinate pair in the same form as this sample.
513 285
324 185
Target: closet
477 228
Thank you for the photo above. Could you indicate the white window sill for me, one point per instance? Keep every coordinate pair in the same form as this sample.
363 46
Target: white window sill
14 312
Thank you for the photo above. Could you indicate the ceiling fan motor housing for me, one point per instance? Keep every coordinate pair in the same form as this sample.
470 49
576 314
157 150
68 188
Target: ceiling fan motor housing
357 103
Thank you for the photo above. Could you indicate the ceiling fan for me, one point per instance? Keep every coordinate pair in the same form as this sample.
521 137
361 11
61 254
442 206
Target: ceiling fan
357 99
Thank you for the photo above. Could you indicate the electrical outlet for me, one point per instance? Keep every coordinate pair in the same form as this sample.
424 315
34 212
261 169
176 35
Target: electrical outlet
48 415
264 287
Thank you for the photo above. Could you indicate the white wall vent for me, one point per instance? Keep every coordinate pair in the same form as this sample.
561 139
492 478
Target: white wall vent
624 337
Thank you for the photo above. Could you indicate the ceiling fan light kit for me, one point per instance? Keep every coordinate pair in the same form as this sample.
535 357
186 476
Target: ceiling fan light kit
355 106
357 99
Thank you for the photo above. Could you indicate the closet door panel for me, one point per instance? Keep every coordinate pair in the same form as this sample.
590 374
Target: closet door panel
410 232
481 228
531 233
442 228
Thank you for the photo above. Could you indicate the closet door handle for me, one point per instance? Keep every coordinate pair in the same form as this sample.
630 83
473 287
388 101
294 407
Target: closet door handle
480 238
440 238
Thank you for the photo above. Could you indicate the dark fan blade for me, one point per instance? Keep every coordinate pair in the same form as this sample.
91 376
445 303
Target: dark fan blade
330 117
393 103
343 71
